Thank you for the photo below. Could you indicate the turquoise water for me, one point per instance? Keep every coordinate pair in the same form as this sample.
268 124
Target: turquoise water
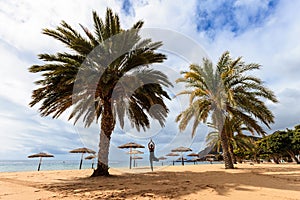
31 165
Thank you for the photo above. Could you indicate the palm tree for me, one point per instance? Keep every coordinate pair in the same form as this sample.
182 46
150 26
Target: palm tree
106 75
225 93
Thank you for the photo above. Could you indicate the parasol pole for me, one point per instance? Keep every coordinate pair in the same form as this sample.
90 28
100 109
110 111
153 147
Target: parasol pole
81 161
40 164
134 162
130 158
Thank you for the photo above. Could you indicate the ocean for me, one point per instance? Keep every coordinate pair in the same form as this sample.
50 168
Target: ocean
31 165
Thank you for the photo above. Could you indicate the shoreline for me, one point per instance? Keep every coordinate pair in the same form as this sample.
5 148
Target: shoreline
158 166
263 181
73 165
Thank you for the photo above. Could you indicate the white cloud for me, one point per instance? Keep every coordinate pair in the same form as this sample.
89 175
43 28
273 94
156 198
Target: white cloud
275 45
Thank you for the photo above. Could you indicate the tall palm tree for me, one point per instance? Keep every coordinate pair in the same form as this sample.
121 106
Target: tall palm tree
105 76
226 92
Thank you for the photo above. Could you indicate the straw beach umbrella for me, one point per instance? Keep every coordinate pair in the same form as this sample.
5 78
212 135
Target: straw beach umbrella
130 145
172 154
82 151
134 152
136 158
90 157
181 150
40 155
210 157
194 155
179 159
162 159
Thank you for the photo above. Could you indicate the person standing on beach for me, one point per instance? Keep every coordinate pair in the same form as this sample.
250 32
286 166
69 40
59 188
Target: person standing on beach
152 157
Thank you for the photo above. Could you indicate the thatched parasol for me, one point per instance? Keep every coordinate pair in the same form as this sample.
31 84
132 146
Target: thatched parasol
193 155
196 155
130 145
40 155
181 150
172 154
195 160
162 159
133 152
90 157
210 157
179 159
137 157
82 150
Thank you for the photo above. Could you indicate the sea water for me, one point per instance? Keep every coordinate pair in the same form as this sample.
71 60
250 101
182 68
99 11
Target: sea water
32 164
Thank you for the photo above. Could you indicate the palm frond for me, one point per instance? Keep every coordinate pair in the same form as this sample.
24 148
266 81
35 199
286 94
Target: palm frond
103 58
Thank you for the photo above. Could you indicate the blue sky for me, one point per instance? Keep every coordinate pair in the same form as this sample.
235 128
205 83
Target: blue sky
262 31
234 16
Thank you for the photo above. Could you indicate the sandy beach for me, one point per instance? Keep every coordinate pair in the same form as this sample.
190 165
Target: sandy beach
258 181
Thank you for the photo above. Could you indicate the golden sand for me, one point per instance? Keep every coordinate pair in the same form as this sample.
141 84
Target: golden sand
259 181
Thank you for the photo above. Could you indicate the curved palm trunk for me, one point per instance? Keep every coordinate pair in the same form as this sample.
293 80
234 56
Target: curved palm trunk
107 127
226 151
296 160
294 157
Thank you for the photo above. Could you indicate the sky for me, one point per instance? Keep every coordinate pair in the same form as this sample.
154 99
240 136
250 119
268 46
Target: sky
261 31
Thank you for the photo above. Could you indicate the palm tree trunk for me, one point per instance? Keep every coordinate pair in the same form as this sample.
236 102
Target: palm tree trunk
256 158
296 160
226 151
107 126
294 157
276 159
231 153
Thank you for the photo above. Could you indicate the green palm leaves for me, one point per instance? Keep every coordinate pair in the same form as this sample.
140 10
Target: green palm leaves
89 74
228 90
226 93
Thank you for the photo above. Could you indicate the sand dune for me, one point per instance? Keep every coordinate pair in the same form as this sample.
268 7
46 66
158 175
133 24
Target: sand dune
259 181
